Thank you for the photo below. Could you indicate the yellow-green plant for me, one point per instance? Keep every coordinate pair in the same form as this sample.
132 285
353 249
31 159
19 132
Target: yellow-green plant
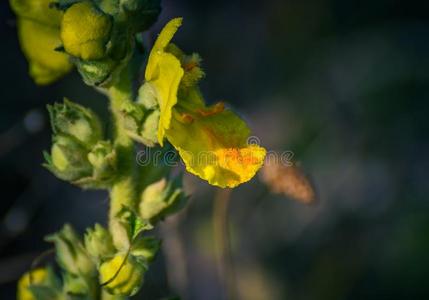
100 39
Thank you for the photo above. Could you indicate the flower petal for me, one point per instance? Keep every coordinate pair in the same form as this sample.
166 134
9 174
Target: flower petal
38 42
39 31
164 72
213 145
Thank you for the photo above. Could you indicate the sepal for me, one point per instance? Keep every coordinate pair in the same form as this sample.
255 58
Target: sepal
68 159
161 199
99 243
71 254
145 248
141 124
103 161
69 118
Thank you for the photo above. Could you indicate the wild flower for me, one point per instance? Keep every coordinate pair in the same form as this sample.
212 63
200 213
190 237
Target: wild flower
99 38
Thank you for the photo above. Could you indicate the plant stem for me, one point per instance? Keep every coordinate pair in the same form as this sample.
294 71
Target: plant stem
222 243
123 192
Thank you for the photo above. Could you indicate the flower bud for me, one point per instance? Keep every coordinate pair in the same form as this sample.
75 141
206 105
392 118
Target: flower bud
71 255
98 72
38 277
38 284
75 285
72 119
85 31
122 275
146 248
101 166
103 160
141 124
161 199
99 243
68 159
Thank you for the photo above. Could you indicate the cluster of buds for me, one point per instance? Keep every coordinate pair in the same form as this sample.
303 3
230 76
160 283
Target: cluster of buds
78 153
88 265
96 36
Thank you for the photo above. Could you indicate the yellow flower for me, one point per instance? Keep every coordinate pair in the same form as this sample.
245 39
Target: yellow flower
38 276
39 35
164 72
212 141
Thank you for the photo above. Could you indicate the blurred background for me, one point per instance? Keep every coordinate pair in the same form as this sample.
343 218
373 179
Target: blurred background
342 84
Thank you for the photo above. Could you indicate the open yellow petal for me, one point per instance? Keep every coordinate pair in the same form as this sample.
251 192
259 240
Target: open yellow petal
164 72
212 142
40 11
39 35
38 42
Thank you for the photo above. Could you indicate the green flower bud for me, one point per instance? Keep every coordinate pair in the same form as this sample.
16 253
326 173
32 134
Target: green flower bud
85 31
146 248
122 275
99 243
75 285
71 254
72 119
68 159
98 72
102 158
39 284
161 199
141 124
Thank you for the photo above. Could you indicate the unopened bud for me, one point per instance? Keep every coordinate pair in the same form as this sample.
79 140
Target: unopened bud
122 275
141 124
71 254
161 199
85 31
72 119
39 284
146 248
38 277
68 159
99 243
103 160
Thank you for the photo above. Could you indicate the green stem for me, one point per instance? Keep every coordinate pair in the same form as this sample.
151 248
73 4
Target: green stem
123 192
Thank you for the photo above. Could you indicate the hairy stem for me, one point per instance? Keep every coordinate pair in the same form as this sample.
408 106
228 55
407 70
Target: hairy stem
123 192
